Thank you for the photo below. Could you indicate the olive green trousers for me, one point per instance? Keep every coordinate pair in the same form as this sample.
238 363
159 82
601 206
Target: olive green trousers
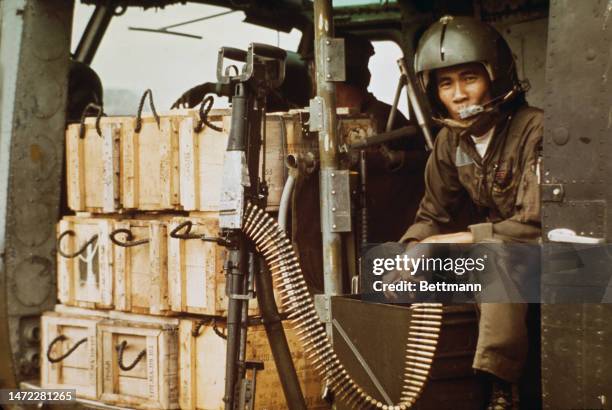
502 340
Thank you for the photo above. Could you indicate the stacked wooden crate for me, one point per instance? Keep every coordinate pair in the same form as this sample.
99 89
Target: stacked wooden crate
132 294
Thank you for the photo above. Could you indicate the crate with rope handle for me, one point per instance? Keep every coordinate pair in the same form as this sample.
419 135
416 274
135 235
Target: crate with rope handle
123 162
140 264
70 358
174 160
114 262
146 263
203 137
139 361
196 275
85 267
93 155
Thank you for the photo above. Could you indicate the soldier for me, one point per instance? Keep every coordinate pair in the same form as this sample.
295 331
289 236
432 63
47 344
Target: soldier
394 186
487 151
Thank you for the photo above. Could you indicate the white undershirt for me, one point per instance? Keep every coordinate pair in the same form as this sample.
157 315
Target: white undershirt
482 142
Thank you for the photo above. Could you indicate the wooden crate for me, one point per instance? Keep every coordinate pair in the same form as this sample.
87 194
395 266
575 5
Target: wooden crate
152 382
141 272
285 134
196 279
79 311
92 165
85 280
201 159
81 369
201 154
202 371
149 165
268 395
172 167
124 169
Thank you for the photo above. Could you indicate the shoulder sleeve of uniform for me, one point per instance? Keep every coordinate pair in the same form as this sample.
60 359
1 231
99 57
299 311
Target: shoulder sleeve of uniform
528 123
442 190
525 224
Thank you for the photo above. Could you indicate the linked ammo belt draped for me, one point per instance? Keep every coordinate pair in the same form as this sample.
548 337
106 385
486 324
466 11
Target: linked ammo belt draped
421 344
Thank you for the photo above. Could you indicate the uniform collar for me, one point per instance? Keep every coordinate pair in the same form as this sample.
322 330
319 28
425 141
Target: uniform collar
500 131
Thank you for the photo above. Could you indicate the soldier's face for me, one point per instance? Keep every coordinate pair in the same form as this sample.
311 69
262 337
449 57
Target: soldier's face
461 86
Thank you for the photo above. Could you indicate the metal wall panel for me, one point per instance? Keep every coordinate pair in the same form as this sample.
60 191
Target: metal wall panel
577 150
35 60
527 39
578 111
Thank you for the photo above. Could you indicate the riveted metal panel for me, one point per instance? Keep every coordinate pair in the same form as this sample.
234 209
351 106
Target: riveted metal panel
577 146
578 111
35 50
575 356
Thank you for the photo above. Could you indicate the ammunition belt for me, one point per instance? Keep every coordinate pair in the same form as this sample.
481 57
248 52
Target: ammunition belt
426 320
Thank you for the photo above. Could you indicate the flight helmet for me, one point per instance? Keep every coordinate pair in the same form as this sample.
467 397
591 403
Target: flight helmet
455 40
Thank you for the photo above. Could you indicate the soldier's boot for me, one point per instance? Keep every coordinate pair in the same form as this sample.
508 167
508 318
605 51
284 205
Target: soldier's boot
503 395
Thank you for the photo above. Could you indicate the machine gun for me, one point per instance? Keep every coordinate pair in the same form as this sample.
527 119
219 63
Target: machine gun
263 71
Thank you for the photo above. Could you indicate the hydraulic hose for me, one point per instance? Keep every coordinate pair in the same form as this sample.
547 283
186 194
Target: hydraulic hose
285 200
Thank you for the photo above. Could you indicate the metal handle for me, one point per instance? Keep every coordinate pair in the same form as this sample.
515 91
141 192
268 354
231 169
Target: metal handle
569 236
91 240
120 349
61 338
129 237
268 51
232 53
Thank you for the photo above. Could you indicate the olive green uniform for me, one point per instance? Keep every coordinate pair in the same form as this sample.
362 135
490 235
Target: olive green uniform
504 189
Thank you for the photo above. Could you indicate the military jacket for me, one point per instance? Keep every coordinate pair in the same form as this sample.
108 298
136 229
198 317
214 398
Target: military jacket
503 186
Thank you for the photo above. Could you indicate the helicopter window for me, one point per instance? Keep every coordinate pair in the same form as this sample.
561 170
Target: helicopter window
385 73
129 61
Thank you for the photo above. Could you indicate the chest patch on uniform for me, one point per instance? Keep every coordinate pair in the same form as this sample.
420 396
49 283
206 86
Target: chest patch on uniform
462 159
503 175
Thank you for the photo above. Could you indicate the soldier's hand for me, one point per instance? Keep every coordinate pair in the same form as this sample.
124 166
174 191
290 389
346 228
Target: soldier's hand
397 276
414 250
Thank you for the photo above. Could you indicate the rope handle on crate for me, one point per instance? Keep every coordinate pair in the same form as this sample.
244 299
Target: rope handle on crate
99 109
205 107
128 236
120 349
195 332
69 232
186 226
61 338
186 235
138 126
